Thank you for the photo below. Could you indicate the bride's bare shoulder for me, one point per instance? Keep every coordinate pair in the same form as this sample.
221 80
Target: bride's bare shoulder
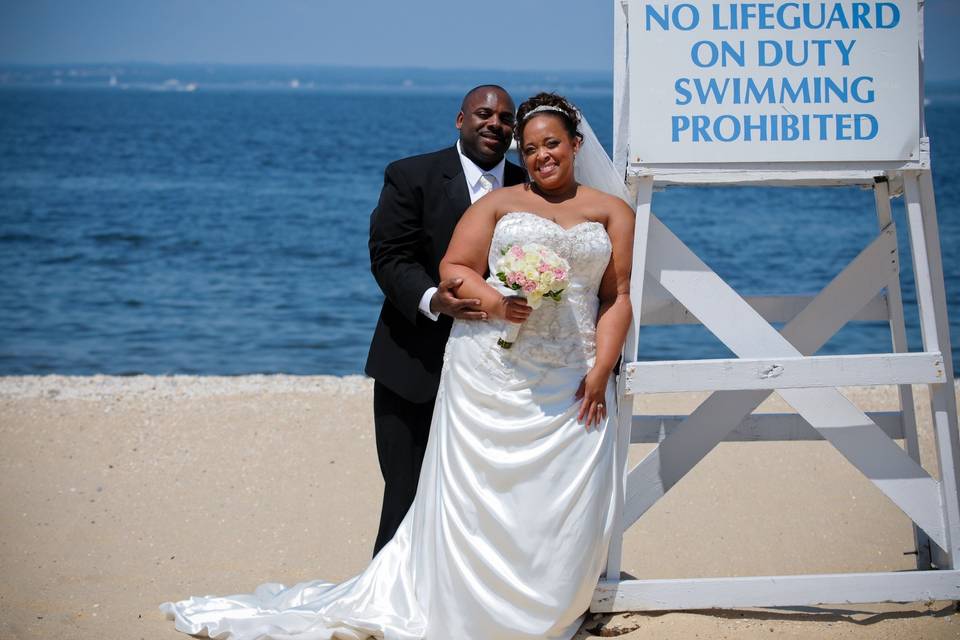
602 204
508 199
515 191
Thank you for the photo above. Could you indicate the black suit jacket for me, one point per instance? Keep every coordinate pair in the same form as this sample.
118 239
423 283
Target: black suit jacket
421 202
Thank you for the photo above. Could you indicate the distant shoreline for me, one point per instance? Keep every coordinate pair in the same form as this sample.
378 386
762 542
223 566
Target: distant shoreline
151 77
292 78
100 386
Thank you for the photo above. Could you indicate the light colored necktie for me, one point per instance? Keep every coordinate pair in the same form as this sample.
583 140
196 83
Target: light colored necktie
486 183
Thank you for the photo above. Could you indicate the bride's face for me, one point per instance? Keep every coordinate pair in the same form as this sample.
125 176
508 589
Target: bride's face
548 152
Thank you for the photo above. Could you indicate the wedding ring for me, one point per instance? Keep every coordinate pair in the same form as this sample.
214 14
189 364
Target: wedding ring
599 405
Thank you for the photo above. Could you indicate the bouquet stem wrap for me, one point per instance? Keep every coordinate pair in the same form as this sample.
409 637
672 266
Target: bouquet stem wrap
534 272
509 335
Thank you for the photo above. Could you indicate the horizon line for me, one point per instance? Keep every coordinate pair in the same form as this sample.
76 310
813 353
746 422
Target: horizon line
325 65
300 64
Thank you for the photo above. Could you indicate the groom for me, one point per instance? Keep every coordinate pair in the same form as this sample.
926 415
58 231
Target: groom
421 201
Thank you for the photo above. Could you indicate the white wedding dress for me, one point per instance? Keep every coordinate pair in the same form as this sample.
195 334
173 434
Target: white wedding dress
509 530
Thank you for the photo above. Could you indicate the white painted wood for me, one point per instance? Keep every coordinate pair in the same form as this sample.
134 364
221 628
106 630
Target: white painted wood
921 265
778 373
758 427
850 290
775 591
660 56
898 339
739 327
621 86
667 311
722 411
717 306
779 174
931 296
685 444
935 259
643 191
854 286
920 74
865 446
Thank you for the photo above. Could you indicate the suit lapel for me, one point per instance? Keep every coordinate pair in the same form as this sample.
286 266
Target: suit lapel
455 185
513 174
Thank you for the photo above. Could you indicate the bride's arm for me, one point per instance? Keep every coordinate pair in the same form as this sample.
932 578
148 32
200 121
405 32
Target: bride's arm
613 318
466 259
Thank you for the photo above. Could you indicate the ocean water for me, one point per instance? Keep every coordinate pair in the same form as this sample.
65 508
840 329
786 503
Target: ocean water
214 221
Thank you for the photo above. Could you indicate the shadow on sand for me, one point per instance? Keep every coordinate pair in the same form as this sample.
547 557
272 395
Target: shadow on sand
612 625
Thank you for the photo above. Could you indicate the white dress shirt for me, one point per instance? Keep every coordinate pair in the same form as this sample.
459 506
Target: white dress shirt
473 175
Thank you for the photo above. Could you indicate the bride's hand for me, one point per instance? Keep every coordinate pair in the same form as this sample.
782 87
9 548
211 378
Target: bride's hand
591 394
513 309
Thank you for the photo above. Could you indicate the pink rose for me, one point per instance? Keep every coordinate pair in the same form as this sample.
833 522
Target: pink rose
560 274
516 251
529 286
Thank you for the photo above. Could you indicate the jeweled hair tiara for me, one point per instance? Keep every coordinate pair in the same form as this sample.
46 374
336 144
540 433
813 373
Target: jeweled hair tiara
544 107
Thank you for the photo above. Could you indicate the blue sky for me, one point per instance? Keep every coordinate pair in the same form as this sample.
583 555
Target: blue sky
497 34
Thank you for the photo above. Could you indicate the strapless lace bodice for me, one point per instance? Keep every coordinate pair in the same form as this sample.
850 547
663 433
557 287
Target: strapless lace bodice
558 333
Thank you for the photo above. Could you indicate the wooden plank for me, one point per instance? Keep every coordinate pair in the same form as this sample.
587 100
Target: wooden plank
921 266
851 288
667 311
932 299
758 427
642 190
621 86
898 340
775 591
739 327
724 374
726 314
777 174
663 467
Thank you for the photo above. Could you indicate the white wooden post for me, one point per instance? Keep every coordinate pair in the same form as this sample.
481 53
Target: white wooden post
935 329
621 86
898 338
643 191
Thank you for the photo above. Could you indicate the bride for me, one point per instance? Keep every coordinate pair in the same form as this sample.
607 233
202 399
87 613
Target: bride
509 530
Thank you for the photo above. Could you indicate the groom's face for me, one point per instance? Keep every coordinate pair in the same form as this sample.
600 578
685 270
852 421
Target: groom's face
486 126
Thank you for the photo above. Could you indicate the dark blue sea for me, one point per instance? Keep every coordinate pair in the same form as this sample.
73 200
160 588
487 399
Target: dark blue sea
213 220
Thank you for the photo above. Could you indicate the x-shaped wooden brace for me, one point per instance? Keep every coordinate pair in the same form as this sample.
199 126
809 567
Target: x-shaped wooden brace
729 317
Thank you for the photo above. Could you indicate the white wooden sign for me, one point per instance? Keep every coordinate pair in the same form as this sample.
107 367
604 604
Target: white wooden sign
779 81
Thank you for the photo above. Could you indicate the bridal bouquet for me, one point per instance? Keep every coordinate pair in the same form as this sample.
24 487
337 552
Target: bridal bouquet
534 272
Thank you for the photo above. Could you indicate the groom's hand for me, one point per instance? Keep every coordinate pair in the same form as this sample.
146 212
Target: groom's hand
445 301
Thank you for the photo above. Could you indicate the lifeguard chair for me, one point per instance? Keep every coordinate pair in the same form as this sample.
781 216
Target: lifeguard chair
671 130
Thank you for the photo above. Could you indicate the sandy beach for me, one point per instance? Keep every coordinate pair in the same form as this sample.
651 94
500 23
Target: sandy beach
120 493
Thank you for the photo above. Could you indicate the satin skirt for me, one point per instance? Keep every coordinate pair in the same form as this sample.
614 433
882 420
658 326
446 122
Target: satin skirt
506 538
